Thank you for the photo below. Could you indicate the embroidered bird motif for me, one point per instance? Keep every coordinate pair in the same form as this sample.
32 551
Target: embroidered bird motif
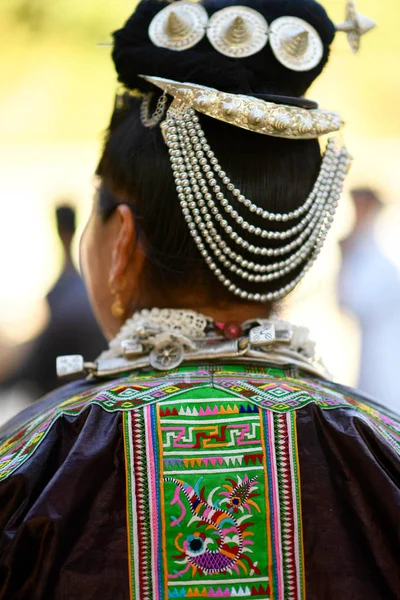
228 531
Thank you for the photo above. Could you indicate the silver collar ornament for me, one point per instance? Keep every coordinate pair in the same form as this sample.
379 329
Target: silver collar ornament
164 339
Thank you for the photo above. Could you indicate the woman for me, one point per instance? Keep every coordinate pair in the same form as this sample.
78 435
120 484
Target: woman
206 453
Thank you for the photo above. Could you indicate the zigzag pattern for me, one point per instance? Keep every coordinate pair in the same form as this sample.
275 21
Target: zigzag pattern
209 411
142 505
286 500
262 592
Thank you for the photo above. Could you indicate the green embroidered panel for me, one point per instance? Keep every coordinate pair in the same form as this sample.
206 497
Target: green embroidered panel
214 507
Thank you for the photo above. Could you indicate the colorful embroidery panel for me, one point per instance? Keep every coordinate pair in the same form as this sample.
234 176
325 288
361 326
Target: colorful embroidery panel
278 390
213 501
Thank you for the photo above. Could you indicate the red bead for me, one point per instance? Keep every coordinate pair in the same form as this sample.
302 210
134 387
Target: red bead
232 330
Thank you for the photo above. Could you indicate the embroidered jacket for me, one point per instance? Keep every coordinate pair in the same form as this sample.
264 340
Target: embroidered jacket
206 482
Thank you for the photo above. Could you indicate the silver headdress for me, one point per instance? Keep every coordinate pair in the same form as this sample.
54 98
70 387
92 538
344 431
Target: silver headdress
208 197
237 31
204 188
240 31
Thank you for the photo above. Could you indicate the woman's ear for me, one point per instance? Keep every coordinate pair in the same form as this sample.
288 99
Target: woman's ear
124 244
127 261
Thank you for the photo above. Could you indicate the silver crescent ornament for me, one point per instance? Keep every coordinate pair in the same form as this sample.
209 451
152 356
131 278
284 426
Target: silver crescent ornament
296 44
237 31
179 26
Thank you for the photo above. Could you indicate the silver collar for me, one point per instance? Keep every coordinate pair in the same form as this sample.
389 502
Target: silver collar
164 339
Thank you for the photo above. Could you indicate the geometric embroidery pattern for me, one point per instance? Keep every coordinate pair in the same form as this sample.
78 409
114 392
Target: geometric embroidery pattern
277 390
139 490
290 507
223 502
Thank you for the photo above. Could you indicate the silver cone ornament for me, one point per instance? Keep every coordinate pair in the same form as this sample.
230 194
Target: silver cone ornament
176 27
355 26
296 43
179 26
238 32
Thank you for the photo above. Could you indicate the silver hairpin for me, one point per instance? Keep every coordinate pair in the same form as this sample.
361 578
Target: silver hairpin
355 26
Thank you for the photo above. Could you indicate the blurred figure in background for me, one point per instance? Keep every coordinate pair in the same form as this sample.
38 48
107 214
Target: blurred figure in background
369 287
71 328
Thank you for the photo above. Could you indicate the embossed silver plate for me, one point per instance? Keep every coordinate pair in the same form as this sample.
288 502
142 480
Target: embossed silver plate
296 44
262 336
179 26
166 357
131 349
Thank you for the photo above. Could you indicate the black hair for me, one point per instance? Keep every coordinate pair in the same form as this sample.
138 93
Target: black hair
276 174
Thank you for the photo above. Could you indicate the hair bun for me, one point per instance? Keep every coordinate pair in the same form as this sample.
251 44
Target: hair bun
134 53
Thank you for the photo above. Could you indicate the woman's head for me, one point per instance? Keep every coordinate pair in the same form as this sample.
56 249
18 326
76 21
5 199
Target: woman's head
142 249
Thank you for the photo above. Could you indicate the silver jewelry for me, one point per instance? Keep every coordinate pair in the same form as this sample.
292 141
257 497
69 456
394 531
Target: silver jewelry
240 31
296 44
179 26
148 120
355 26
198 177
169 338
248 112
237 31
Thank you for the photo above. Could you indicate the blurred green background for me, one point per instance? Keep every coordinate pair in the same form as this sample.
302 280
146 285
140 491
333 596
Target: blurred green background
56 95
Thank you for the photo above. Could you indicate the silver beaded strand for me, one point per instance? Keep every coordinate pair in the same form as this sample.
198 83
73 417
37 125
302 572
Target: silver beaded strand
274 271
238 258
195 177
200 159
282 268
